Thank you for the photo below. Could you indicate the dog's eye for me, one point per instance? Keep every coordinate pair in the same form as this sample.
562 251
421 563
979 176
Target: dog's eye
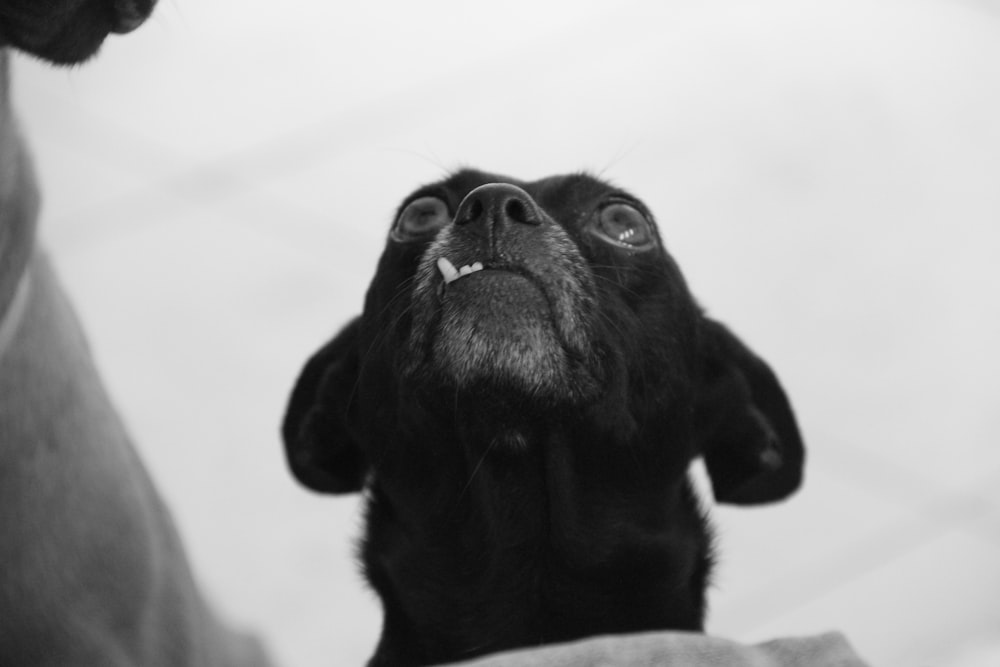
623 225
421 217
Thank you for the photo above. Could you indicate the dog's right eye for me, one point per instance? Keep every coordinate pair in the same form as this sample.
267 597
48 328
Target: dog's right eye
421 218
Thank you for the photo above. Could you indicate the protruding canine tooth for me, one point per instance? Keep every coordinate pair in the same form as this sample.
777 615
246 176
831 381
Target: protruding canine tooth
447 270
451 274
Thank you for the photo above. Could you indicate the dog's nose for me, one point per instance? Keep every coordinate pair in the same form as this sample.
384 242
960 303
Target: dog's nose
130 14
498 204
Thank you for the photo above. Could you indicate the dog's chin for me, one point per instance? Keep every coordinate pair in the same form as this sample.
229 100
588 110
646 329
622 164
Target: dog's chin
496 328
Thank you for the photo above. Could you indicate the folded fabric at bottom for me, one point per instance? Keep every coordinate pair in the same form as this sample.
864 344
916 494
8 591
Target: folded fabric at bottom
665 649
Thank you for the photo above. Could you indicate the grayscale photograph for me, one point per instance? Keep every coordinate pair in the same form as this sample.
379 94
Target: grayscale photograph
523 334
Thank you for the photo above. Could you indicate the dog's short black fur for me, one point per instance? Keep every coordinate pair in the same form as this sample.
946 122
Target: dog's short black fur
67 32
523 431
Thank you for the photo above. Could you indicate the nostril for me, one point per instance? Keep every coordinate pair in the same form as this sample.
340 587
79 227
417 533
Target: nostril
516 211
473 212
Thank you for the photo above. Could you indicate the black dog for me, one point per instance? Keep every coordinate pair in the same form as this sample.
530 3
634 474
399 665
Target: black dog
521 400
67 32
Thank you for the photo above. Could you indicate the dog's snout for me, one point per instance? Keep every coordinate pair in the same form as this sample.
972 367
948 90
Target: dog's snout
130 14
496 204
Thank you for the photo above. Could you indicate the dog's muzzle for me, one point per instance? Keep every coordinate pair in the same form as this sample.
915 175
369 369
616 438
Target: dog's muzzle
130 14
503 295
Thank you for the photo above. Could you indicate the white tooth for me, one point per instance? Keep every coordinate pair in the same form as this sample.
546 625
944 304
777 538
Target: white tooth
478 266
465 270
447 270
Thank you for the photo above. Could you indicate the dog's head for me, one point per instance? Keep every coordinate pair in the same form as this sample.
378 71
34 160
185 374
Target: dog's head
67 32
500 305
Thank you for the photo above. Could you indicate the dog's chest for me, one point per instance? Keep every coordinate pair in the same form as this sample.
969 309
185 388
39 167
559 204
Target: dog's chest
529 555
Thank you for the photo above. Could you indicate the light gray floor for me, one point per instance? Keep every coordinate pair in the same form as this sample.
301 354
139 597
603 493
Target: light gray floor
218 186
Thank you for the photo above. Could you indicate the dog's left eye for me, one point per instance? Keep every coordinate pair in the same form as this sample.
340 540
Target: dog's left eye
420 218
624 225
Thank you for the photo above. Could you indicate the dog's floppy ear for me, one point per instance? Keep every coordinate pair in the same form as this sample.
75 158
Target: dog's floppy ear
321 450
745 426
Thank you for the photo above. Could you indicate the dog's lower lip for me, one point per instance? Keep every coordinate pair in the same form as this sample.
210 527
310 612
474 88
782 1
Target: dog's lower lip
491 270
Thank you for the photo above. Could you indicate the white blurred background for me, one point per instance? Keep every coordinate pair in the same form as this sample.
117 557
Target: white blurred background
218 186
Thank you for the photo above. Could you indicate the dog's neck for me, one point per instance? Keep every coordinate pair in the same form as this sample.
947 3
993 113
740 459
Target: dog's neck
529 550
19 200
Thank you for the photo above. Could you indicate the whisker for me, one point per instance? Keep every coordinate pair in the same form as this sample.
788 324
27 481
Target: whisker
623 152
617 285
479 465
383 331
